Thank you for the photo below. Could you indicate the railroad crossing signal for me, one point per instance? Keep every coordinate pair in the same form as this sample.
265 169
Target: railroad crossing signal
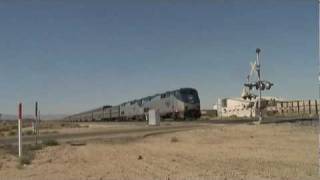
263 85
259 84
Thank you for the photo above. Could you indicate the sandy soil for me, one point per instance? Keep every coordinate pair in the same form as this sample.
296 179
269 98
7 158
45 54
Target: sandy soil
283 151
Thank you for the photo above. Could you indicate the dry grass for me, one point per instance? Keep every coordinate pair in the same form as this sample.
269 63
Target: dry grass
217 152
50 142
58 125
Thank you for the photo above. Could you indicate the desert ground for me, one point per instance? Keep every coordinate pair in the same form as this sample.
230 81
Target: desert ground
209 151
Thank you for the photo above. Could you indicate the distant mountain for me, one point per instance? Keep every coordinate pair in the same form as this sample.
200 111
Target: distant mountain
43 117
53 116
8 117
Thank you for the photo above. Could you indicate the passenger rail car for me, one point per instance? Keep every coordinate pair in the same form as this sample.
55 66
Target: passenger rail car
179 104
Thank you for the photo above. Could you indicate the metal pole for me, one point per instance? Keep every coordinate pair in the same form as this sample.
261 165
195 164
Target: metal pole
19 128
259 82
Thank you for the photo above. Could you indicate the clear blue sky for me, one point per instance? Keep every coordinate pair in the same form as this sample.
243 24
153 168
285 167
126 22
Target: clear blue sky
76 55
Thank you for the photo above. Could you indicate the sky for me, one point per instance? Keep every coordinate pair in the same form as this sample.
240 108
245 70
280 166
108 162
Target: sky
76 55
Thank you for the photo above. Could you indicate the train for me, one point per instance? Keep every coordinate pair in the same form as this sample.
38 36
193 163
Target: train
183 103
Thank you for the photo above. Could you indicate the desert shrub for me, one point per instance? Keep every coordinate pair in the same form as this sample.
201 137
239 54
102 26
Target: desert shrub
50 142
13 127
34 147
50 132
140 157
233 117
28 132
12 133
25 159
4 127
19 166
174 139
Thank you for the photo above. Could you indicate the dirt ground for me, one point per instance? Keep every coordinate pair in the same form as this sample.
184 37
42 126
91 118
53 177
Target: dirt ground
273 151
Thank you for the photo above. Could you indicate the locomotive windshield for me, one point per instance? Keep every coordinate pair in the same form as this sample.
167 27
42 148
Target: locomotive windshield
189 96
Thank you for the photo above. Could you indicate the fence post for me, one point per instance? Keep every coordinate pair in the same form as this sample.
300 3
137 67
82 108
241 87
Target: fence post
316 103
309 102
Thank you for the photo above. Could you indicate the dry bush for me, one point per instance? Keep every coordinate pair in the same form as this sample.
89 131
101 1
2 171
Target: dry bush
34 147
25 159
28 132
58 125
50 132
50 142
12 133
174 139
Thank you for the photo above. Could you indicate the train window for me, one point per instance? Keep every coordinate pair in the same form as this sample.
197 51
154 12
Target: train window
163 96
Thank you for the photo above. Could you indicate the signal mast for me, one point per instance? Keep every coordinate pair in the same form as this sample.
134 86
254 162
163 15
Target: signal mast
258 84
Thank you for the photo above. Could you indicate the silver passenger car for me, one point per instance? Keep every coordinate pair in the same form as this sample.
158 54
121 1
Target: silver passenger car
179 104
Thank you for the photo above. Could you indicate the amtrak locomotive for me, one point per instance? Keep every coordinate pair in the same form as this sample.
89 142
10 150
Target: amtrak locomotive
178 104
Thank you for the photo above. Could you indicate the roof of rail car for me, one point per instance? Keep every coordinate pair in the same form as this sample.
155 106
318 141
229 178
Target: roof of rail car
134 101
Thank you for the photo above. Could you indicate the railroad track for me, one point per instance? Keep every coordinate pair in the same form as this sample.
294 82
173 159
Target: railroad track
106 134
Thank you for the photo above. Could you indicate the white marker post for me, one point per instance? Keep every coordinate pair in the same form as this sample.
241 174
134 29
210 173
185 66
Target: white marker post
19 128
319 87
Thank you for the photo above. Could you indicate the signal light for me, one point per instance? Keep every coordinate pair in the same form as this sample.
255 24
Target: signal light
262 86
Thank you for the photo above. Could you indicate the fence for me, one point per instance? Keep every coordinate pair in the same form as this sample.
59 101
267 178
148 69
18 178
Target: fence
296 107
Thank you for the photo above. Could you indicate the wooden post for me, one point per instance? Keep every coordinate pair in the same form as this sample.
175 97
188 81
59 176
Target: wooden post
309 104
316 104
298 107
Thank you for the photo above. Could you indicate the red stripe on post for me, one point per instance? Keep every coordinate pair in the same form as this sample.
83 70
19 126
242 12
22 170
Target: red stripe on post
20 111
